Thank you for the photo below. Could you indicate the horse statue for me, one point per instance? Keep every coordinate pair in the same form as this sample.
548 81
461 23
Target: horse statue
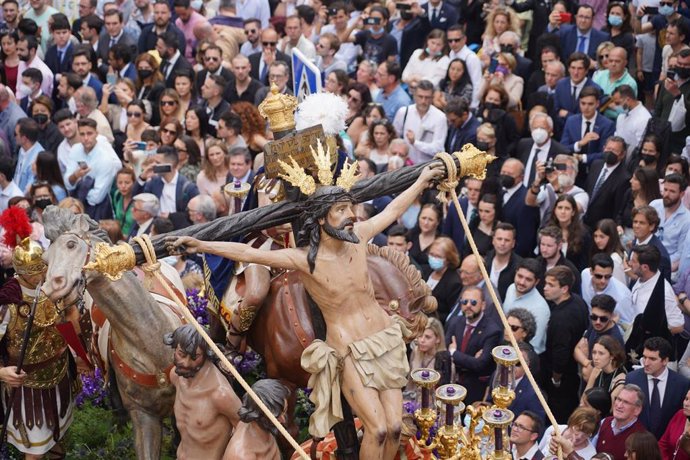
138 319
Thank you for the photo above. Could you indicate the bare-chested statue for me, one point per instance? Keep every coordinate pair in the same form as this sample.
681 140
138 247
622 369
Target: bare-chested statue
205 404
364 351
255 436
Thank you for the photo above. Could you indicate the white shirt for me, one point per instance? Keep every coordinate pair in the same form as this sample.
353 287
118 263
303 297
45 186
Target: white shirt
258 9
583 130
630 126
661 386
9 192
615 289
143 227
528 455
642 291
543 154
509 192
429 130
168 195
474 69
427 69
248 49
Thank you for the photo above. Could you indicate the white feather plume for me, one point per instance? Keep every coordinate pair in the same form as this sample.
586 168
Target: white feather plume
326 109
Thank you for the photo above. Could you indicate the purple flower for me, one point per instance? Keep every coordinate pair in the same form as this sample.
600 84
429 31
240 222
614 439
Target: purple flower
93 390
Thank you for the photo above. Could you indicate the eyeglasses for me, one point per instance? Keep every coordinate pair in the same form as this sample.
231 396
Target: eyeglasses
519 427
469 301
267 44
515 328
211 58
600 319
168 131
170 103
599 276
621 400
40 183
454 40
134 114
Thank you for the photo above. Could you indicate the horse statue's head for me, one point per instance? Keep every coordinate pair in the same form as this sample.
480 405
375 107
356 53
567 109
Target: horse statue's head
399 287
72 237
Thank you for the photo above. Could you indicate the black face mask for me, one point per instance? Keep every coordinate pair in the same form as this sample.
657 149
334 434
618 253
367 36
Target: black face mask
610 158
483 146
683 72
506 181
507 49
42 203
41 118
145 73
490 106
648 159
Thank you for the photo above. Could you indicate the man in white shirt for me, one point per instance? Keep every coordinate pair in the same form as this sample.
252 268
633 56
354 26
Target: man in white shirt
67 125
8 188
295 39
457 41
525 432
327 49
422 125
598 279
631 124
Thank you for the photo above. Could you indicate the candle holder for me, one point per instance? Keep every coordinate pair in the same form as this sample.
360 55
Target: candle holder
425 380
498 421
503 392
449 399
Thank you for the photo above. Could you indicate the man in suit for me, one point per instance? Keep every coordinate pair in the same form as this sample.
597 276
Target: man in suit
540 147
607 182
173 60
585 133
663 388
501 261
581 37
260 62
91 28
468 203
524 434
525 396
213 65
161 24
172 189
145 208
524 218
114 34
59 55
566 97
441 14
468 334
568 321
82 66
121 58
462 125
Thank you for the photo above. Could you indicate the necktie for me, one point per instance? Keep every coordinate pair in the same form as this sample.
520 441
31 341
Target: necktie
434 14
454 137
581 45
264 72
655 405
533 168
112 42
165 68
600 182
588 129
474 215
466 338
61 54
574 98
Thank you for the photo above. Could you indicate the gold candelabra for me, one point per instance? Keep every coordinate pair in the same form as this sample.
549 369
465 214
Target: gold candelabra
443 408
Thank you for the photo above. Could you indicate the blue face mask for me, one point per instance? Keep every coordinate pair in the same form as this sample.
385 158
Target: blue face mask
435 263
378 31
615 21
666 10
428 51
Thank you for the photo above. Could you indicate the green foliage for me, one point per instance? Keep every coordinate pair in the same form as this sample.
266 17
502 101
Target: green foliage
94 434
303 410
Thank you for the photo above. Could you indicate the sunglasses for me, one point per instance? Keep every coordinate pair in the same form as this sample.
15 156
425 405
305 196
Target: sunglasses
468 301
170 103
666 3
269 43
601 319
454 40
599 276
212 58
134 114
168 131
604 56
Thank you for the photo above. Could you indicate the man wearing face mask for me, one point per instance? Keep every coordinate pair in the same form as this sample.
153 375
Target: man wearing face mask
632 121
29 88
538 148
524 218
377 44
50 136
607 182
672 102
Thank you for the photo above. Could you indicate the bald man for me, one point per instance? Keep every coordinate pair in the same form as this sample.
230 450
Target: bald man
245 87
524 218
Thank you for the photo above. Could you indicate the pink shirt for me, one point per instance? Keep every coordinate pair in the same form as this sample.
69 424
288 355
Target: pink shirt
188 31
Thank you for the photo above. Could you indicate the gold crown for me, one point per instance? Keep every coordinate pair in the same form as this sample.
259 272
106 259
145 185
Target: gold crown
27 258
279 109
298 177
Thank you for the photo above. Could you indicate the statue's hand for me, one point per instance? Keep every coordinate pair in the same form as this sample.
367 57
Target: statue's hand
10 376
182 245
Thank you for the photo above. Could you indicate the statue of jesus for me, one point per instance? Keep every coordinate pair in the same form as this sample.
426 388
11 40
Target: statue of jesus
364 352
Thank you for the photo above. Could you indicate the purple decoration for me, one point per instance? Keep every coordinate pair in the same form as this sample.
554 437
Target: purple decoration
425 397
449 414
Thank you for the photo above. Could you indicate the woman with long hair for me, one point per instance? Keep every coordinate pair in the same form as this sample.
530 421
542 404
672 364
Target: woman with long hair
170 131
189 156
583 423
504 77
607 241
372 113
10 61
442 276
566 216
675 442
116 114
41 196
337 82
186 91
46 169
493 109
482 230
425 347
651 154
196 126
424 233
619 27
253 128
169 106
642 445
608 365
214 168
501 19
382 133
149 83
456 84
430 63
366 75
358 98
644 188
136 113
122 199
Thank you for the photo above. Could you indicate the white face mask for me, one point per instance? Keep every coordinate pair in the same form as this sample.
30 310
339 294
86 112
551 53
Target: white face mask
540 135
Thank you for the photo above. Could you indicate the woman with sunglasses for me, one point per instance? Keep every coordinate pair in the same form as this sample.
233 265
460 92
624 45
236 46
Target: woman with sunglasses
189 156
169 106
170 131
136 113
608 365
523 325
196 126
607 241
442 276
603 56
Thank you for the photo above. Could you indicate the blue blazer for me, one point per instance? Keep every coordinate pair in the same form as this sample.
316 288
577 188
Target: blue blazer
457 137
185 190
53 61
525 219
526 399
572 132
97 86
568 35
447 16
676 388
563 97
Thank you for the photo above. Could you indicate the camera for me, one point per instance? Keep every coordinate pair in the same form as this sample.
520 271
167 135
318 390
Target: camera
549 166
372 21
